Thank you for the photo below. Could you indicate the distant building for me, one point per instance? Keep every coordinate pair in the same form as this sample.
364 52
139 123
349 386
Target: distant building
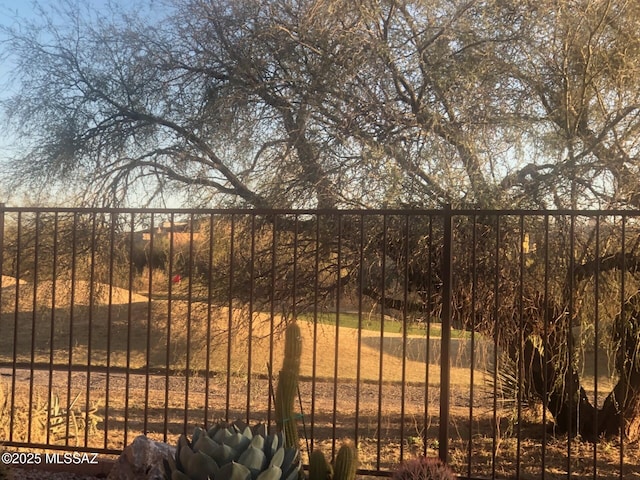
179 231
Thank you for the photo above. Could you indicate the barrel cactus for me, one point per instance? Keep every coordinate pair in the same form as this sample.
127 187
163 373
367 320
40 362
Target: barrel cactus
423 468
344 467
233 452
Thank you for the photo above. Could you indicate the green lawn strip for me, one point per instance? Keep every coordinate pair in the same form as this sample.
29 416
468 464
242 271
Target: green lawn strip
372 322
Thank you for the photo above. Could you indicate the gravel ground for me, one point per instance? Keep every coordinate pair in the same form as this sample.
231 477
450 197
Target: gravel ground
98 471
38 474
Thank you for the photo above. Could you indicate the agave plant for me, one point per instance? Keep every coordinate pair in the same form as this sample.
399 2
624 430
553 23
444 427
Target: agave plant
233 452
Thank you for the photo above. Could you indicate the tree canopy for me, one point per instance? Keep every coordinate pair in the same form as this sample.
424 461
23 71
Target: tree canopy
331 103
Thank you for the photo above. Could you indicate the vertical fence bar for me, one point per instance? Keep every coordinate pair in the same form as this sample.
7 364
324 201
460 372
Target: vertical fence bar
54 272
359 347
474 294
169 320
405 301
112 231
382 312
314 348
623 346
127 384
207 378
336 359
572 407
230 316
147 385
34 326
74 251
189 274
426 422
294 285
496 312
596 341
2 251
272 313
251 313
15 327
545 329
520 376
445 346
91 318
167 377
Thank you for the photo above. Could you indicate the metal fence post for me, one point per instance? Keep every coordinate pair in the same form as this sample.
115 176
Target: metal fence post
445 347
2 213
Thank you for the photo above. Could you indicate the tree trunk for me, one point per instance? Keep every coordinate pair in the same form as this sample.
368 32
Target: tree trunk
558 384
621 409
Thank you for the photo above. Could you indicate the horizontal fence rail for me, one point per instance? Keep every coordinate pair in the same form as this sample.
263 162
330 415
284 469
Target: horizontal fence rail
504 342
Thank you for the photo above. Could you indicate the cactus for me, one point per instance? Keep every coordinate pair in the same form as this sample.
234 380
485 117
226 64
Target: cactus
344 467
288 386
233 452
346 463
319 468
423 468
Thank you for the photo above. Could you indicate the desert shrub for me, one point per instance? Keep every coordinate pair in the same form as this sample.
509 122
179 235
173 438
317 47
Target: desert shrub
423 468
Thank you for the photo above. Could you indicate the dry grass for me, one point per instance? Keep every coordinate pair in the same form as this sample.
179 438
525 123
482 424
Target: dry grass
388 418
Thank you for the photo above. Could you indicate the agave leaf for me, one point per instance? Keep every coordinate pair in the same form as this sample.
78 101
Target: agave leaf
169 464
247 432
223 454
258 442
260 429
239 426
238 442
281 439
201 466
293 475
197 432
271 473
184 441
278 458
291 460
253 458
184 453
221 434
271 445
206 445
234 471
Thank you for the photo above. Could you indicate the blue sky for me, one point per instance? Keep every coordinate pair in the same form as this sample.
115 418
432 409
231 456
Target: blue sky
12 12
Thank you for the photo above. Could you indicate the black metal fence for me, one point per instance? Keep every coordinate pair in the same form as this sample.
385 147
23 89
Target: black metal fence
493 339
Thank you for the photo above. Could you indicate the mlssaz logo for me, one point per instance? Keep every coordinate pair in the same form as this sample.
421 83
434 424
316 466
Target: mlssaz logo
72 458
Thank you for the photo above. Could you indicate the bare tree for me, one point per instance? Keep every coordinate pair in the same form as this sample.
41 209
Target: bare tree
328 103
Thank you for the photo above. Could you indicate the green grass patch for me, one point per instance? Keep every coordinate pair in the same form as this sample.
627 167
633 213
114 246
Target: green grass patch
374 323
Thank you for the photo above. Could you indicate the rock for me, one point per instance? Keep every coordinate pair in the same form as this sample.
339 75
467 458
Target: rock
141 460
